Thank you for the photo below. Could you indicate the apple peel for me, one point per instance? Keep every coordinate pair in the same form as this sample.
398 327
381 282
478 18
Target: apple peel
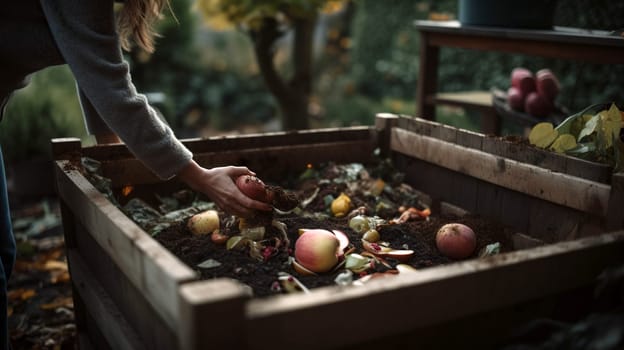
398 254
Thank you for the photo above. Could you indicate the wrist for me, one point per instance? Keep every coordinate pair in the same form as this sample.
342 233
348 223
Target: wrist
189 172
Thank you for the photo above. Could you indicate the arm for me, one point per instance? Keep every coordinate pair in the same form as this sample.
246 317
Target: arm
85 34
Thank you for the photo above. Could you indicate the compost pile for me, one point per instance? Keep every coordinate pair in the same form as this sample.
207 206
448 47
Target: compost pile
329 197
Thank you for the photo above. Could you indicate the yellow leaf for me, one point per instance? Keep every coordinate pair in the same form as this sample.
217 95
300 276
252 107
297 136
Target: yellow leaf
542 135
611 124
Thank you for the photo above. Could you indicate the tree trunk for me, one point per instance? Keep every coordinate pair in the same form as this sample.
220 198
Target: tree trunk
293 96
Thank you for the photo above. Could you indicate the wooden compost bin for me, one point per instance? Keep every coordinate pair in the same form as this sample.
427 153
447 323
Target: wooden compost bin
131 293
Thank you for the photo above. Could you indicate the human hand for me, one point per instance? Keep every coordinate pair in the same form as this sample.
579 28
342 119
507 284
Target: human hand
219 184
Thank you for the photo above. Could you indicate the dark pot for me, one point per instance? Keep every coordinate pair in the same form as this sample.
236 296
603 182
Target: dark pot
533 14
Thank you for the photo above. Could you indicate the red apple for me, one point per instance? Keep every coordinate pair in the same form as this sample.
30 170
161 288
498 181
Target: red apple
253 188
547 84
538 105
455 240
523 79
515 99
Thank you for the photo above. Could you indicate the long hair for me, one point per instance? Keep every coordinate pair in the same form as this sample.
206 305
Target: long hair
136 20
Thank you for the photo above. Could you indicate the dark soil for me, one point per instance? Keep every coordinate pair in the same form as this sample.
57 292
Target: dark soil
262 275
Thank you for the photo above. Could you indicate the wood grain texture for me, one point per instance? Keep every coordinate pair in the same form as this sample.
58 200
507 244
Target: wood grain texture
573 192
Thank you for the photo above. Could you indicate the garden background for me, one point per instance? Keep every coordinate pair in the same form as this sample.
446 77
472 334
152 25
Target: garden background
205 79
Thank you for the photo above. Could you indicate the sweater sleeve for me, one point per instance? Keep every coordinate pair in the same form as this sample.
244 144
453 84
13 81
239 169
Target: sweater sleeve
85 34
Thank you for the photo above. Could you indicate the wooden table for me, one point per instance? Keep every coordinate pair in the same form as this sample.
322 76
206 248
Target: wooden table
561 42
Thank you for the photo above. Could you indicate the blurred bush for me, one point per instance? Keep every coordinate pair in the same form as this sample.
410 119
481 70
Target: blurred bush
47 108
385 53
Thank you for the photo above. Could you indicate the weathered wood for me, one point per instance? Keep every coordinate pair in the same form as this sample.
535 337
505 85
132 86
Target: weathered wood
61 147
246 141
214 310
109 321
615 217
384 122
131 249
547 270
166 306
269 162
135 308
577 193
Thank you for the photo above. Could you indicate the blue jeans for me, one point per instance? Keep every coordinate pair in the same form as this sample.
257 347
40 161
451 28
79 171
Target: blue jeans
7 255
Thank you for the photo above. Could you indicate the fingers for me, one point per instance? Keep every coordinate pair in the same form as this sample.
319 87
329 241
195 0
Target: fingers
236 171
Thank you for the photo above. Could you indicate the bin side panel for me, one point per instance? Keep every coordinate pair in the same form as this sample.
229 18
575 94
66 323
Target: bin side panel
573 192
434 296
133 307
145 265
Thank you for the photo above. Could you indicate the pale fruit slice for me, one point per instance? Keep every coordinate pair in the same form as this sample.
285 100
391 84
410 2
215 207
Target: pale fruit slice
563 143
543 134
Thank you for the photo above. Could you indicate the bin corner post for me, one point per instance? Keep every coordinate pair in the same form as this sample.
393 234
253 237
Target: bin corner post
212 315
615 218
384 122
62 148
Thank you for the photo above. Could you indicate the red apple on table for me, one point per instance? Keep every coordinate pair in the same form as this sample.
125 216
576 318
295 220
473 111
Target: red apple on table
538 105
515 99
523 79
547 84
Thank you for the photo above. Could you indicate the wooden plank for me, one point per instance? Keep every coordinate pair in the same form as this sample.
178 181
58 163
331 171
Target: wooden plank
213 314
136 309
145 265
268 162
471 99
469 139
247 141
384 122
563 189
63 147
412 301
615 213
104 311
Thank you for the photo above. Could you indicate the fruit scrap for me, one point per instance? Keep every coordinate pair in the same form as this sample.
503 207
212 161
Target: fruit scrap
290 284
387 252
375 275
219 238
412 213
204 223
341 205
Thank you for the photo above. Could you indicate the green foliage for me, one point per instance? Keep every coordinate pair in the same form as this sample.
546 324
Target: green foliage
385 53
592 134
47 108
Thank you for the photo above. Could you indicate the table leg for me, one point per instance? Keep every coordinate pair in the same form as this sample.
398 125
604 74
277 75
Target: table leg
427 78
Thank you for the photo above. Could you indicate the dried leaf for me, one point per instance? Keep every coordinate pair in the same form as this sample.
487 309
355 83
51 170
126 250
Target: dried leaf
66 302
55 265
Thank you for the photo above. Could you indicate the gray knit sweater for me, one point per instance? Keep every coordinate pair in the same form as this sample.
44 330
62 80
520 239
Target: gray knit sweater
35 34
